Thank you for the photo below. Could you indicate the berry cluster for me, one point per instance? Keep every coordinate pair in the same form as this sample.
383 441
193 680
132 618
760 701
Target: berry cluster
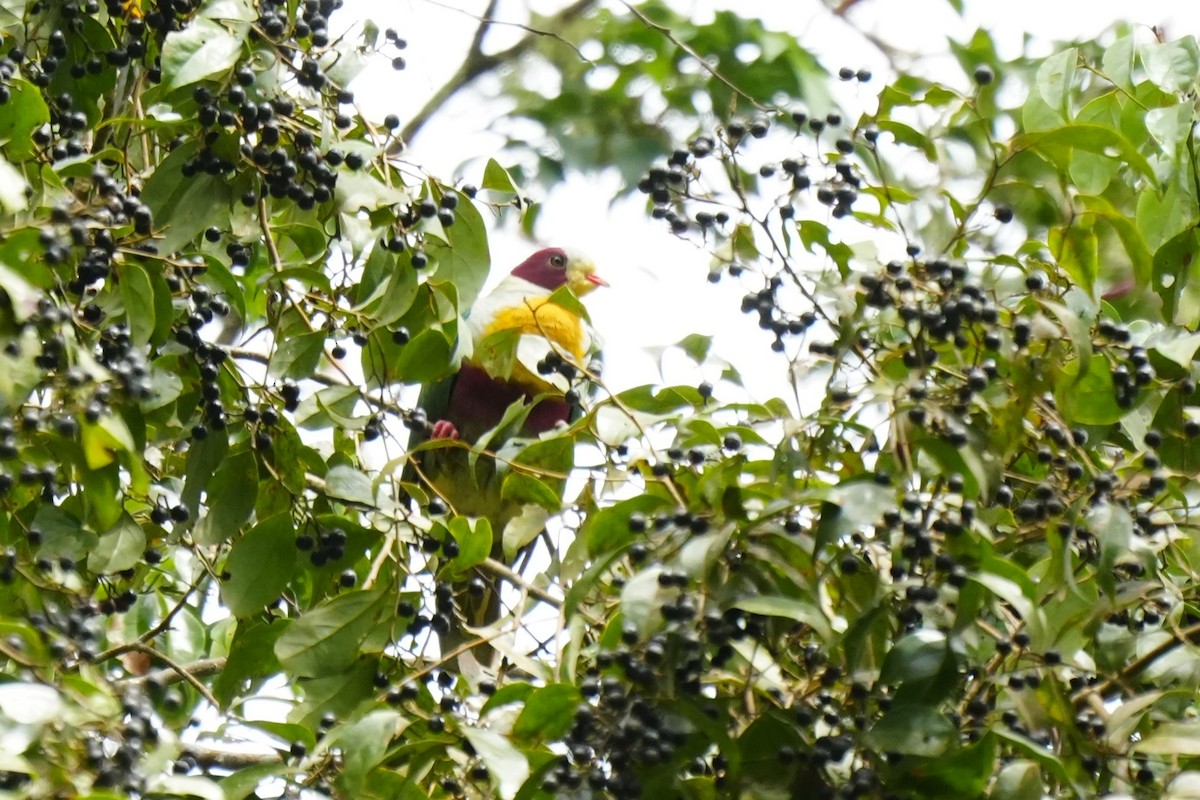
329 545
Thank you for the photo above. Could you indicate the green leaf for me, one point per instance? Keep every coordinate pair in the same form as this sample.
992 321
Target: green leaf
1006 581
1176 277
331 405
1172 66
349 484
338 694
463 259
1178 347
104 439
360 190
427 357
641 599
1117 63
564 297
395 296
1112 526
21 295
119 549
1077 328
186 786
496 178
1131 238
244 782
548 456
497 352
816 233
918 656
164 315
1077 250
251 657
507 765
523 529
905 134
696 346
1055 79
137 294
1088 398
24 113
12 188
297 356
325 640
1174 739
1092 173
12 15
364 745
1019 780
508 694
62 534
288 458
792 608
522 488
960 773
474 544
1170 127
914 731
548 713
660 400
260 566
231 498
608 529
1165 213
202 49
1092 138
182 207
849 507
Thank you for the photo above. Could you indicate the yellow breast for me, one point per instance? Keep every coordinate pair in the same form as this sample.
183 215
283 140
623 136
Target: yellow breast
539 317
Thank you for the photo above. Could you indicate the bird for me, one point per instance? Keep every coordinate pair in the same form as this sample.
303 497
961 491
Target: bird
527 342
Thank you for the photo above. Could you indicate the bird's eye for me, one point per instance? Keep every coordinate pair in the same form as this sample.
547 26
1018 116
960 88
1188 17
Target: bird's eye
558 260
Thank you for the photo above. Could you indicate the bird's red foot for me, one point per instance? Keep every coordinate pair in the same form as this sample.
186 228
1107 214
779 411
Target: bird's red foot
443 429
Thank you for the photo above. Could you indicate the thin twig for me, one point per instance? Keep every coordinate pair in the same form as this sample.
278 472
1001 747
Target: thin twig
381 559
478 63
691 51
161 627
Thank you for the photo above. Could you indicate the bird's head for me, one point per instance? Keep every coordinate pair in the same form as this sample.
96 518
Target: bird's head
553 268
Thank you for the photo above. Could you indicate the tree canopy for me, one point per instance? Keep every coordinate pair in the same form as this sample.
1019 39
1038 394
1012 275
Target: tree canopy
956 561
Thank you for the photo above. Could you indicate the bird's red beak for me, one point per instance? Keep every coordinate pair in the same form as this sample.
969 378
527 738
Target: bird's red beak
596 279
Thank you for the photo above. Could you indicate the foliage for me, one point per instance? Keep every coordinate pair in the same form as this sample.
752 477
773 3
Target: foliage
958 563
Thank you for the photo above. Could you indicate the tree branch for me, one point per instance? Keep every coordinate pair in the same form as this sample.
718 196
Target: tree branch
163 625
844 6
183 671
1189 635
478 62
502 570
230 759
165 677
